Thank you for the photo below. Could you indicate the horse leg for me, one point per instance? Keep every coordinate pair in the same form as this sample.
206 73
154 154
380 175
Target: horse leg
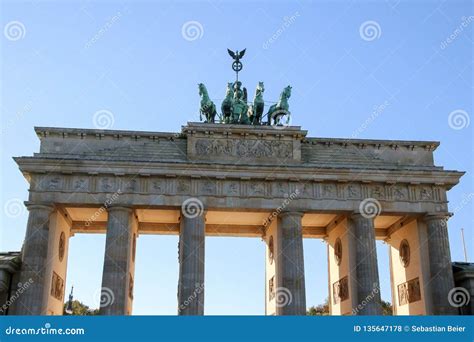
269 114
213 117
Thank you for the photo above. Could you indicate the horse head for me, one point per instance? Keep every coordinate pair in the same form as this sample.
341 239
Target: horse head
202 89
260 89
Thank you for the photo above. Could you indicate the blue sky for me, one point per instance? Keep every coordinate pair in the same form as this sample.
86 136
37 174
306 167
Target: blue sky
68 60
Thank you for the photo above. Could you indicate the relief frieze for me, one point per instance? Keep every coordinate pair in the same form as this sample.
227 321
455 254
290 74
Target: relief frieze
244 148
259 188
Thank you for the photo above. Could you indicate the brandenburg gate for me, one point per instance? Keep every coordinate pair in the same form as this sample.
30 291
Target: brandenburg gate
265 181
244 177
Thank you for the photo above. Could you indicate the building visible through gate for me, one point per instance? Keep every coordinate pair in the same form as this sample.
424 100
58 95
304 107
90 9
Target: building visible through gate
263 181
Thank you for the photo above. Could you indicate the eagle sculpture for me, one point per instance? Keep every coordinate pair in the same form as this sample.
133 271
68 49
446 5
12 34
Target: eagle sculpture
236 55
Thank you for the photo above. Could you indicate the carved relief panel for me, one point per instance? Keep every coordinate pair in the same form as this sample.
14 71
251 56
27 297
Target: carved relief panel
340 290
328 190
62 246
157 186
80 183
271 288
207 187
280 189
409 292
57 286
353 191
241 148
50 182
305 189
377 191
256 189
130 287
107 184
425 193
130 184
231 188
399 192
183 186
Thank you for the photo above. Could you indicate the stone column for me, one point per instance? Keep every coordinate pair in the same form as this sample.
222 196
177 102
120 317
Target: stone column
5 283
441 272
117 280
290 293
191 263
35 261
365 276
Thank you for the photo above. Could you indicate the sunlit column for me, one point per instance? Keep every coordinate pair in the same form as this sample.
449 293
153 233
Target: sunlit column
191 262
117 278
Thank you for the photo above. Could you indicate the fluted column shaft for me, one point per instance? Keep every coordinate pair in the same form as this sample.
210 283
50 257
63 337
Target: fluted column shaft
441 272
191 264
291 292
117 260
364 268
34 260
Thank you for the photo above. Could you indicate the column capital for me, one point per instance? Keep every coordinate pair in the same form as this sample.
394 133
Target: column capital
437 216
119 208
284 213
39 205
356 215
